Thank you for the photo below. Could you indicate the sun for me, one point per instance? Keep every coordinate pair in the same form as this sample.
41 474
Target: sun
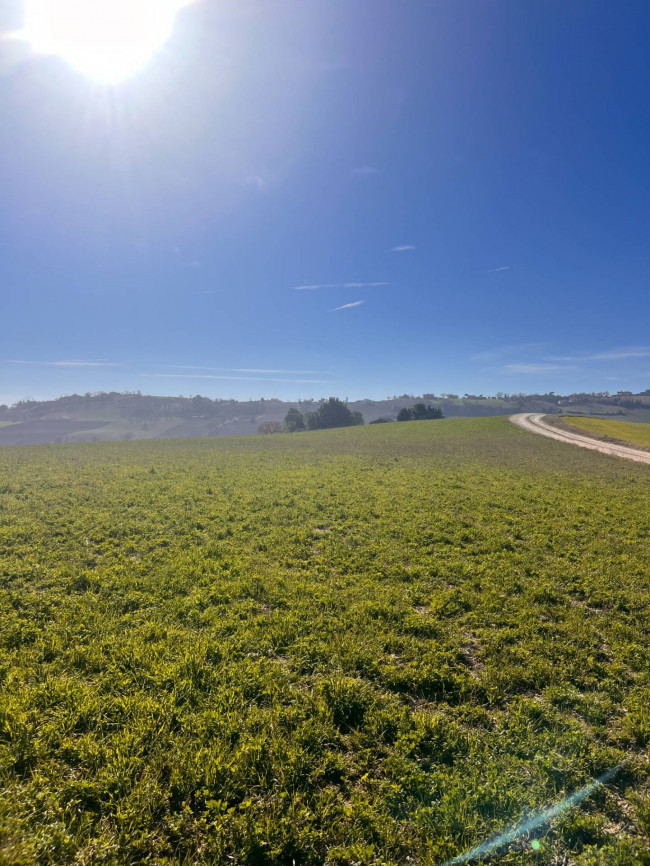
106 40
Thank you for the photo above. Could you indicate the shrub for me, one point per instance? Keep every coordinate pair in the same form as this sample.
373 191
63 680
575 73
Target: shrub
270 427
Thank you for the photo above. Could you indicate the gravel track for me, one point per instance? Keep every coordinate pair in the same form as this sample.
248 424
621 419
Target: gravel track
535 423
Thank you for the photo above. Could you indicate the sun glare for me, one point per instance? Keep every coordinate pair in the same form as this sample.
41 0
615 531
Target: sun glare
107 40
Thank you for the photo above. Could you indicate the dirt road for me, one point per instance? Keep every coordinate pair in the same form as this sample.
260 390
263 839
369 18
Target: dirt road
536 424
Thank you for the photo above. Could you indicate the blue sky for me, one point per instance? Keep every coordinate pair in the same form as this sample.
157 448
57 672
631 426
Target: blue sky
466 181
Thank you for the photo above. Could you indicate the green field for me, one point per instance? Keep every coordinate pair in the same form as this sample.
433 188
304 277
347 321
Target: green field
637 434
375 645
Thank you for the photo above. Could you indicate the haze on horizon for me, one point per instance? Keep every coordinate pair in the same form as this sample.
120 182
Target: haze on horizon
293 200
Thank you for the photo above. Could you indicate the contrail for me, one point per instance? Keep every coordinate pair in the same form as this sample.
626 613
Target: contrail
536 821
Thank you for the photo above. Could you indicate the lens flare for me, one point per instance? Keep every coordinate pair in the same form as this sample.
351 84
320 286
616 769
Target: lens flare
535 821
107 40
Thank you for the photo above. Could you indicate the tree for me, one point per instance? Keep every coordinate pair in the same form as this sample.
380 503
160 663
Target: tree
270 427
333 413
294 420
420 412
312 421
202 405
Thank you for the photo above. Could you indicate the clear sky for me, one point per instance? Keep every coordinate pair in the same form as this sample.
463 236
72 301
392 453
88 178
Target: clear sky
462 185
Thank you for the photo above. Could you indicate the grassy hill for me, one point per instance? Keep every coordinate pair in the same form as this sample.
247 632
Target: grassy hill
372 645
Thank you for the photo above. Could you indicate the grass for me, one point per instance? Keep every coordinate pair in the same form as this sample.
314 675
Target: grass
634 433
378 645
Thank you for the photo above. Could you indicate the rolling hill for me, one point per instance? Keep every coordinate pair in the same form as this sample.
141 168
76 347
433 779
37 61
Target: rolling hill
113 416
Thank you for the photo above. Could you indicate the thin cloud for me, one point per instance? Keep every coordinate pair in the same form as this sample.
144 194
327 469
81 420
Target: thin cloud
531 369
496 270
67 363
366 171
403 249
245 370
622 354
512 349
295 372
566 358
258 182
338 286
611 355
232 378
347 306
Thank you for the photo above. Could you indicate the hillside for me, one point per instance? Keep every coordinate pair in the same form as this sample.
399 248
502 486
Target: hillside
619 431
371 646
112 416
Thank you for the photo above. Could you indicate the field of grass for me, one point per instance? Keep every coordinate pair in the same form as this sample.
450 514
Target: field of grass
375 645
636 434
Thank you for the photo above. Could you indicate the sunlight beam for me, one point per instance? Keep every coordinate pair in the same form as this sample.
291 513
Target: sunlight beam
106 40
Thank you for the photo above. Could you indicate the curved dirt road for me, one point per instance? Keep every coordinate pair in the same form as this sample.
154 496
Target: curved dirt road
534 423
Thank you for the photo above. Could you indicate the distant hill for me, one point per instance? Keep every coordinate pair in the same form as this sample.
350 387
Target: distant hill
113 416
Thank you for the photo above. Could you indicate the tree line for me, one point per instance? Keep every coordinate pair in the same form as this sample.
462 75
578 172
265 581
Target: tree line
335 413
